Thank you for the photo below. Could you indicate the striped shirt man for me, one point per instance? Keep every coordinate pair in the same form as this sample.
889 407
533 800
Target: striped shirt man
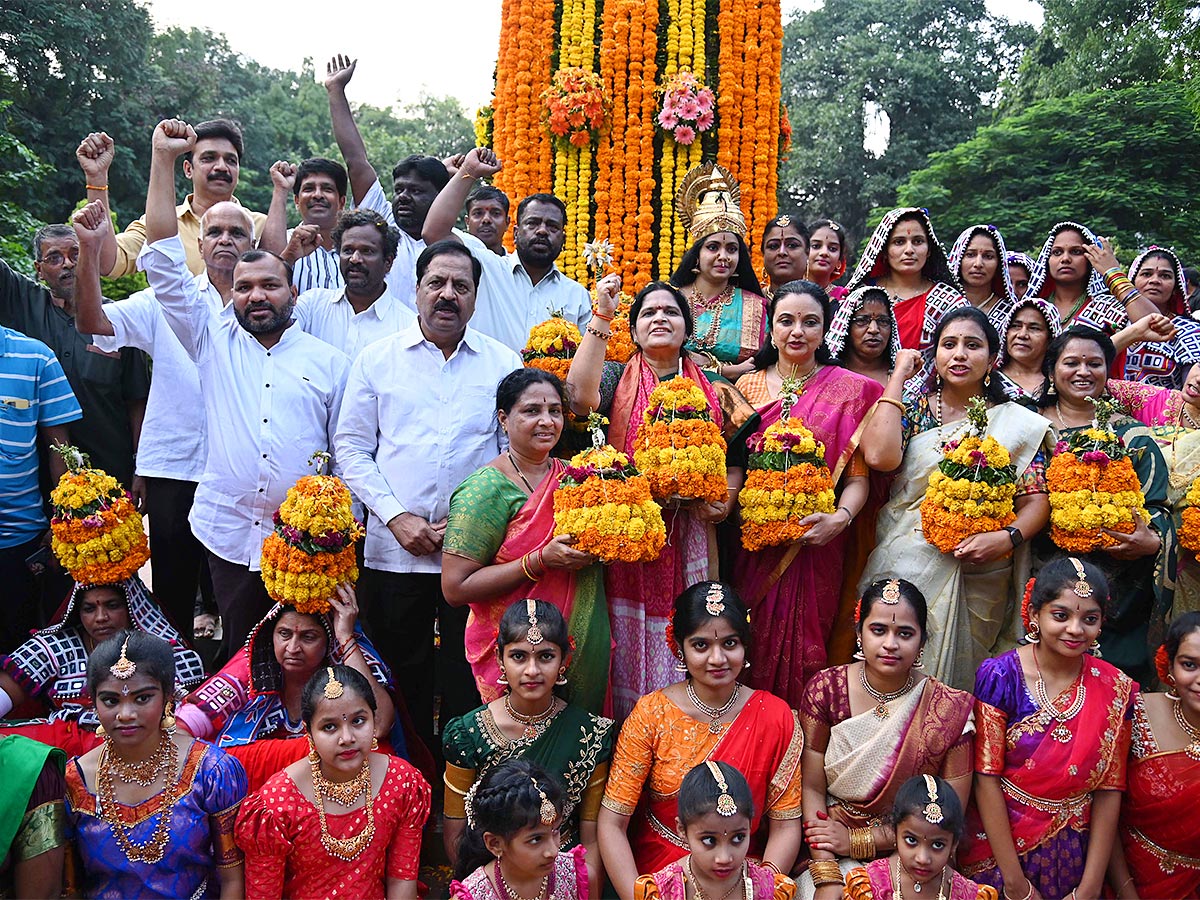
34 393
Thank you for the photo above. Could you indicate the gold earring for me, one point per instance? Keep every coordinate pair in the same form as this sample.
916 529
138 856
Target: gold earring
1034 634
101 733
562 678
1172 693
680 665
168 718
375 742
858 651
313 756
1094 649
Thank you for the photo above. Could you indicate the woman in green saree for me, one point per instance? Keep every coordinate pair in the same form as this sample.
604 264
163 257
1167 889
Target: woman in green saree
500 546
533 650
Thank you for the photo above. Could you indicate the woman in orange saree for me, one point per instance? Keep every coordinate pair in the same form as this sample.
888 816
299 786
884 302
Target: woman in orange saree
1050 767
709 716
500 546
1159 853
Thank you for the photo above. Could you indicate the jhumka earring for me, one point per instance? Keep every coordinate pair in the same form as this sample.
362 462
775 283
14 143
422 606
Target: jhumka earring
1034 634
313 756
680 664
1094 649
502 679
168 718
1172 692
987 380
562 678
920 663
1050 391
858 651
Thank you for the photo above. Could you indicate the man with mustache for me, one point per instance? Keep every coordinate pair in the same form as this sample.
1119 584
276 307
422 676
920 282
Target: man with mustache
319 188
271 392
111 387
212 166
418 418
364 310
172 447
520 290
416 181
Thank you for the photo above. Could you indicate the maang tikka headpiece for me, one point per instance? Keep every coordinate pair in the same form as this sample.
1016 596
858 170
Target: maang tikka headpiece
547 812
933 810
124 667
891 592
534 635
333 687
1082 587
726 805
714 600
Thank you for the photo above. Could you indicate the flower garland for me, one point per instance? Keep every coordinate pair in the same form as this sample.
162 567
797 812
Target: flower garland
1093 486
605 504
972 489
311 550
680 449
484 121
688 107
97 531
788 480
1189 528
552 345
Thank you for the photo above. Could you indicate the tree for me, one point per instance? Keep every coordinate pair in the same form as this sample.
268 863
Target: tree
925 67
17 164
1122 162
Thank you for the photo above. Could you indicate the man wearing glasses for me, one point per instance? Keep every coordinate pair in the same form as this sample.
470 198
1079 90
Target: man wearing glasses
111 387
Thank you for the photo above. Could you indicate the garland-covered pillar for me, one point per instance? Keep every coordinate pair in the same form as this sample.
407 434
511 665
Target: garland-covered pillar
617 171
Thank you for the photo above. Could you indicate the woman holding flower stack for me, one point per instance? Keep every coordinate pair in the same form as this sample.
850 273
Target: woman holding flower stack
717 275
90 507
639 594
794 586
972 585
500 544
1137 559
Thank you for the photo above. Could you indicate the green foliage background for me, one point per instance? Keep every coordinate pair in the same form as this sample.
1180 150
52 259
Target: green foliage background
74 66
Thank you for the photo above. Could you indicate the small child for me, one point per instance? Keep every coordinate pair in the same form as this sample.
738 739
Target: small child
510 849
715 810
929 824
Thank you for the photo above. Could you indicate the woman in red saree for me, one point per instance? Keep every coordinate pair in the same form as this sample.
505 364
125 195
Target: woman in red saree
794 590
1050 767
639 594
872 725
500 546
709 716
1159 853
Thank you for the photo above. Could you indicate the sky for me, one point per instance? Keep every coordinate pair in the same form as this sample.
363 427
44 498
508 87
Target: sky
407 47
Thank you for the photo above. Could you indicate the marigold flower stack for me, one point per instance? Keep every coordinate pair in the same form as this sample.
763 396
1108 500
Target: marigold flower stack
1093 486
972 489
605 504
97 531
552 345
1189 529
680 448
311 550
788 480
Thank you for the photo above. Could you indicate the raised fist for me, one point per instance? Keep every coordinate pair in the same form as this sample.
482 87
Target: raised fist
174 137
95 154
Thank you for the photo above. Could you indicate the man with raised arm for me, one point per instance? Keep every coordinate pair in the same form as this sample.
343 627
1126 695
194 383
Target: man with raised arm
271 392
416 181
318 186
172 448
212 166
521 289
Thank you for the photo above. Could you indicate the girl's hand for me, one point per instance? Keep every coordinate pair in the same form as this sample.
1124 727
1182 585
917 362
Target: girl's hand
825 527
828 835
908 364
983 548
1142 542
1101 257
343 607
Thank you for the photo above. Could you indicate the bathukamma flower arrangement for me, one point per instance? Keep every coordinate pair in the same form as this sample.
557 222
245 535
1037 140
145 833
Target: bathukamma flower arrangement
552 345
680 449
311 550
605 504
788 480
1189 528
1093 486
97 531
972 489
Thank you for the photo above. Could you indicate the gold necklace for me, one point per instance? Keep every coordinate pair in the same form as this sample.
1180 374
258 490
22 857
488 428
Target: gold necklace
716 305
345 849
714 712
1062 421
344 793
1060 732
882 699
150 852
897 894
507 893
536 724
146 771
698 893
1193 748
1184 414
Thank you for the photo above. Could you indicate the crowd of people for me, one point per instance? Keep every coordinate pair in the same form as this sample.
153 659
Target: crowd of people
857 713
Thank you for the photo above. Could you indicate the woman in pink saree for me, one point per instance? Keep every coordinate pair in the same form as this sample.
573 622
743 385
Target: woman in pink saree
640 595
500 545
795 589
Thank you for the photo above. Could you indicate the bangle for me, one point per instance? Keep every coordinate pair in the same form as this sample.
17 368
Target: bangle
525 567
97 187
600 315
777 871
862 844
541 562
1026 897
894 402
1123 884
825 871
849 515
600 334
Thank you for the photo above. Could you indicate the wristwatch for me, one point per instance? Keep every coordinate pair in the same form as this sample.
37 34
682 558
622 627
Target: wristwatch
1014 535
